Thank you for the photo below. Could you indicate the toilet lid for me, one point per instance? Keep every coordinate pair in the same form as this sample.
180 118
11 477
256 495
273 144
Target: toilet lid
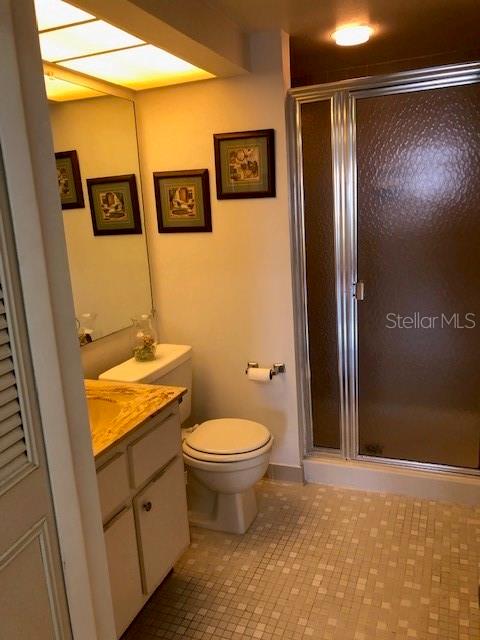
228 436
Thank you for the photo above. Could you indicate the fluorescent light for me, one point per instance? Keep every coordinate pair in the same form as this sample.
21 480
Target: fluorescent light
84 39
139 68
79 41
351 35
55 13
61 90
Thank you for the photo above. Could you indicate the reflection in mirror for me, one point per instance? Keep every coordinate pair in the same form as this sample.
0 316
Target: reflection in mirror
109 271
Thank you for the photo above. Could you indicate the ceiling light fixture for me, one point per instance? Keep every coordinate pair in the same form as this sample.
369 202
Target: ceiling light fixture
81 42
85 39
351 35
138 68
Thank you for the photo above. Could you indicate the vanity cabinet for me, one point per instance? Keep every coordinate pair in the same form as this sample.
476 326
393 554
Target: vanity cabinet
141 486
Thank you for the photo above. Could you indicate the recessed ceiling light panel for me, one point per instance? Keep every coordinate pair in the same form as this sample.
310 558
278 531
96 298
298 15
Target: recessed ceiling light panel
76 40
84 40
142 67
351 35
55 13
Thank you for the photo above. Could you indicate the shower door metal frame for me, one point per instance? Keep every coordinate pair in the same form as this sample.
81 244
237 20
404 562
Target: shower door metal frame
342 96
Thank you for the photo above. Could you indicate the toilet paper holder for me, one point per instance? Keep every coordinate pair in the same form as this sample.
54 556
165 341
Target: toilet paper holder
275 369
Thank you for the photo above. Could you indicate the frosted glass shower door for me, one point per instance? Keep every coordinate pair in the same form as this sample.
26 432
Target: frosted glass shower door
320 273
418 202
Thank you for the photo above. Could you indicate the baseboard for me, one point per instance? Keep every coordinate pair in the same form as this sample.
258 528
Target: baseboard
389 478
285 473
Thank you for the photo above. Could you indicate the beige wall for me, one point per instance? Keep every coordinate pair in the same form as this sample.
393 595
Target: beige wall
227 293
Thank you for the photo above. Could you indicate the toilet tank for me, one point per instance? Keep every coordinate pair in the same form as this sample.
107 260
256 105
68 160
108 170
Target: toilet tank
172 366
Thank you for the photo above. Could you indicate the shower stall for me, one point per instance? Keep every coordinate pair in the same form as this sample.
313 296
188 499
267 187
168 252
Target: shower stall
386 260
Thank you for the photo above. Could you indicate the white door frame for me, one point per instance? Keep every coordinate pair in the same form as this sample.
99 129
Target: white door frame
30 172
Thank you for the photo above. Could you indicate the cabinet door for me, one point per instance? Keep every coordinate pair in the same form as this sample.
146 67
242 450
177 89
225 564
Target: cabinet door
161 512
124 569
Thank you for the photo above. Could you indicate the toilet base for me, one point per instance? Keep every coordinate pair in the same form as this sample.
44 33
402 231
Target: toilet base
228 512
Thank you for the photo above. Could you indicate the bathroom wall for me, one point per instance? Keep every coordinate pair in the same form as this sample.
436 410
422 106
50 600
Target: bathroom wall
314 69
227 293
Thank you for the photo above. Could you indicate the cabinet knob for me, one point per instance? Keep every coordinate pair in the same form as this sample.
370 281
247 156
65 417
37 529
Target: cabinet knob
147 506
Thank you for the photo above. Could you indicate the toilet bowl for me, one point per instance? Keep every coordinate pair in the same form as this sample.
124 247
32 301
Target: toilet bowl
224 458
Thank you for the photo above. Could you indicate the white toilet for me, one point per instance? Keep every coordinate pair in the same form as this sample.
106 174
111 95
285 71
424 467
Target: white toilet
224 457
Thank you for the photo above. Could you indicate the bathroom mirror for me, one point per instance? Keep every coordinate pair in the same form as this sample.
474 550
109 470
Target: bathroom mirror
108 268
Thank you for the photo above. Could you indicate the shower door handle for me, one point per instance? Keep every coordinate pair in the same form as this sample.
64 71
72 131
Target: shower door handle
359 291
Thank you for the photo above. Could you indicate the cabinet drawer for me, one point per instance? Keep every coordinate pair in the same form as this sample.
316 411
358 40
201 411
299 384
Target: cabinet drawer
161 514
113 487
124 569
154 449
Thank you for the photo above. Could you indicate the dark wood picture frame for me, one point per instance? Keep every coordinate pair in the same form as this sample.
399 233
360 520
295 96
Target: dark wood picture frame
114 205
68 176
263 160
188 213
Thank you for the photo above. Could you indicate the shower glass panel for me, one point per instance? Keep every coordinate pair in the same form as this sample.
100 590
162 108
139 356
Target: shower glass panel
418 197
320 272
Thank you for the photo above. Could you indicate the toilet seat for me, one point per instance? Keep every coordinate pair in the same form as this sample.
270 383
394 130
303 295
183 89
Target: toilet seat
227 440
220 459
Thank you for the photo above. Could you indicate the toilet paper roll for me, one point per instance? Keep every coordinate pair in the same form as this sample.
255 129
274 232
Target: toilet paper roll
258 374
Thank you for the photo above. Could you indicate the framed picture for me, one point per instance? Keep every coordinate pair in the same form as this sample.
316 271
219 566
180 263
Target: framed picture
183 201
114 205
245 164
69 180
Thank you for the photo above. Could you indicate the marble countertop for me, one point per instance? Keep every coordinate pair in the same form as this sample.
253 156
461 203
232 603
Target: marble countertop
117 408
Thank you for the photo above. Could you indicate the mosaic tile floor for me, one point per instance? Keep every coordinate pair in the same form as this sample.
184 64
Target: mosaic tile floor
326 563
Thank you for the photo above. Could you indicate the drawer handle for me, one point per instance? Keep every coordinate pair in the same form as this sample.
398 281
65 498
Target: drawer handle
147 506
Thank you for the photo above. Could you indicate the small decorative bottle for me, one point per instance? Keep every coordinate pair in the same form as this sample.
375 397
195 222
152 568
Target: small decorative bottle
144 338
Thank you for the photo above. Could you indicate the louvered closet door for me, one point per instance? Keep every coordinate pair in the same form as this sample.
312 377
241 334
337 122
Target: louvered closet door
13 447
32 594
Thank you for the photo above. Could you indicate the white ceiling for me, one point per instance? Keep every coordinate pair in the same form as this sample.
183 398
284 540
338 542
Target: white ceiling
259 15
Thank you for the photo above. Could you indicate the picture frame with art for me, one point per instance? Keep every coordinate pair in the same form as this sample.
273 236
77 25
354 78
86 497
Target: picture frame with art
69 180
245 164
183 201
114 205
